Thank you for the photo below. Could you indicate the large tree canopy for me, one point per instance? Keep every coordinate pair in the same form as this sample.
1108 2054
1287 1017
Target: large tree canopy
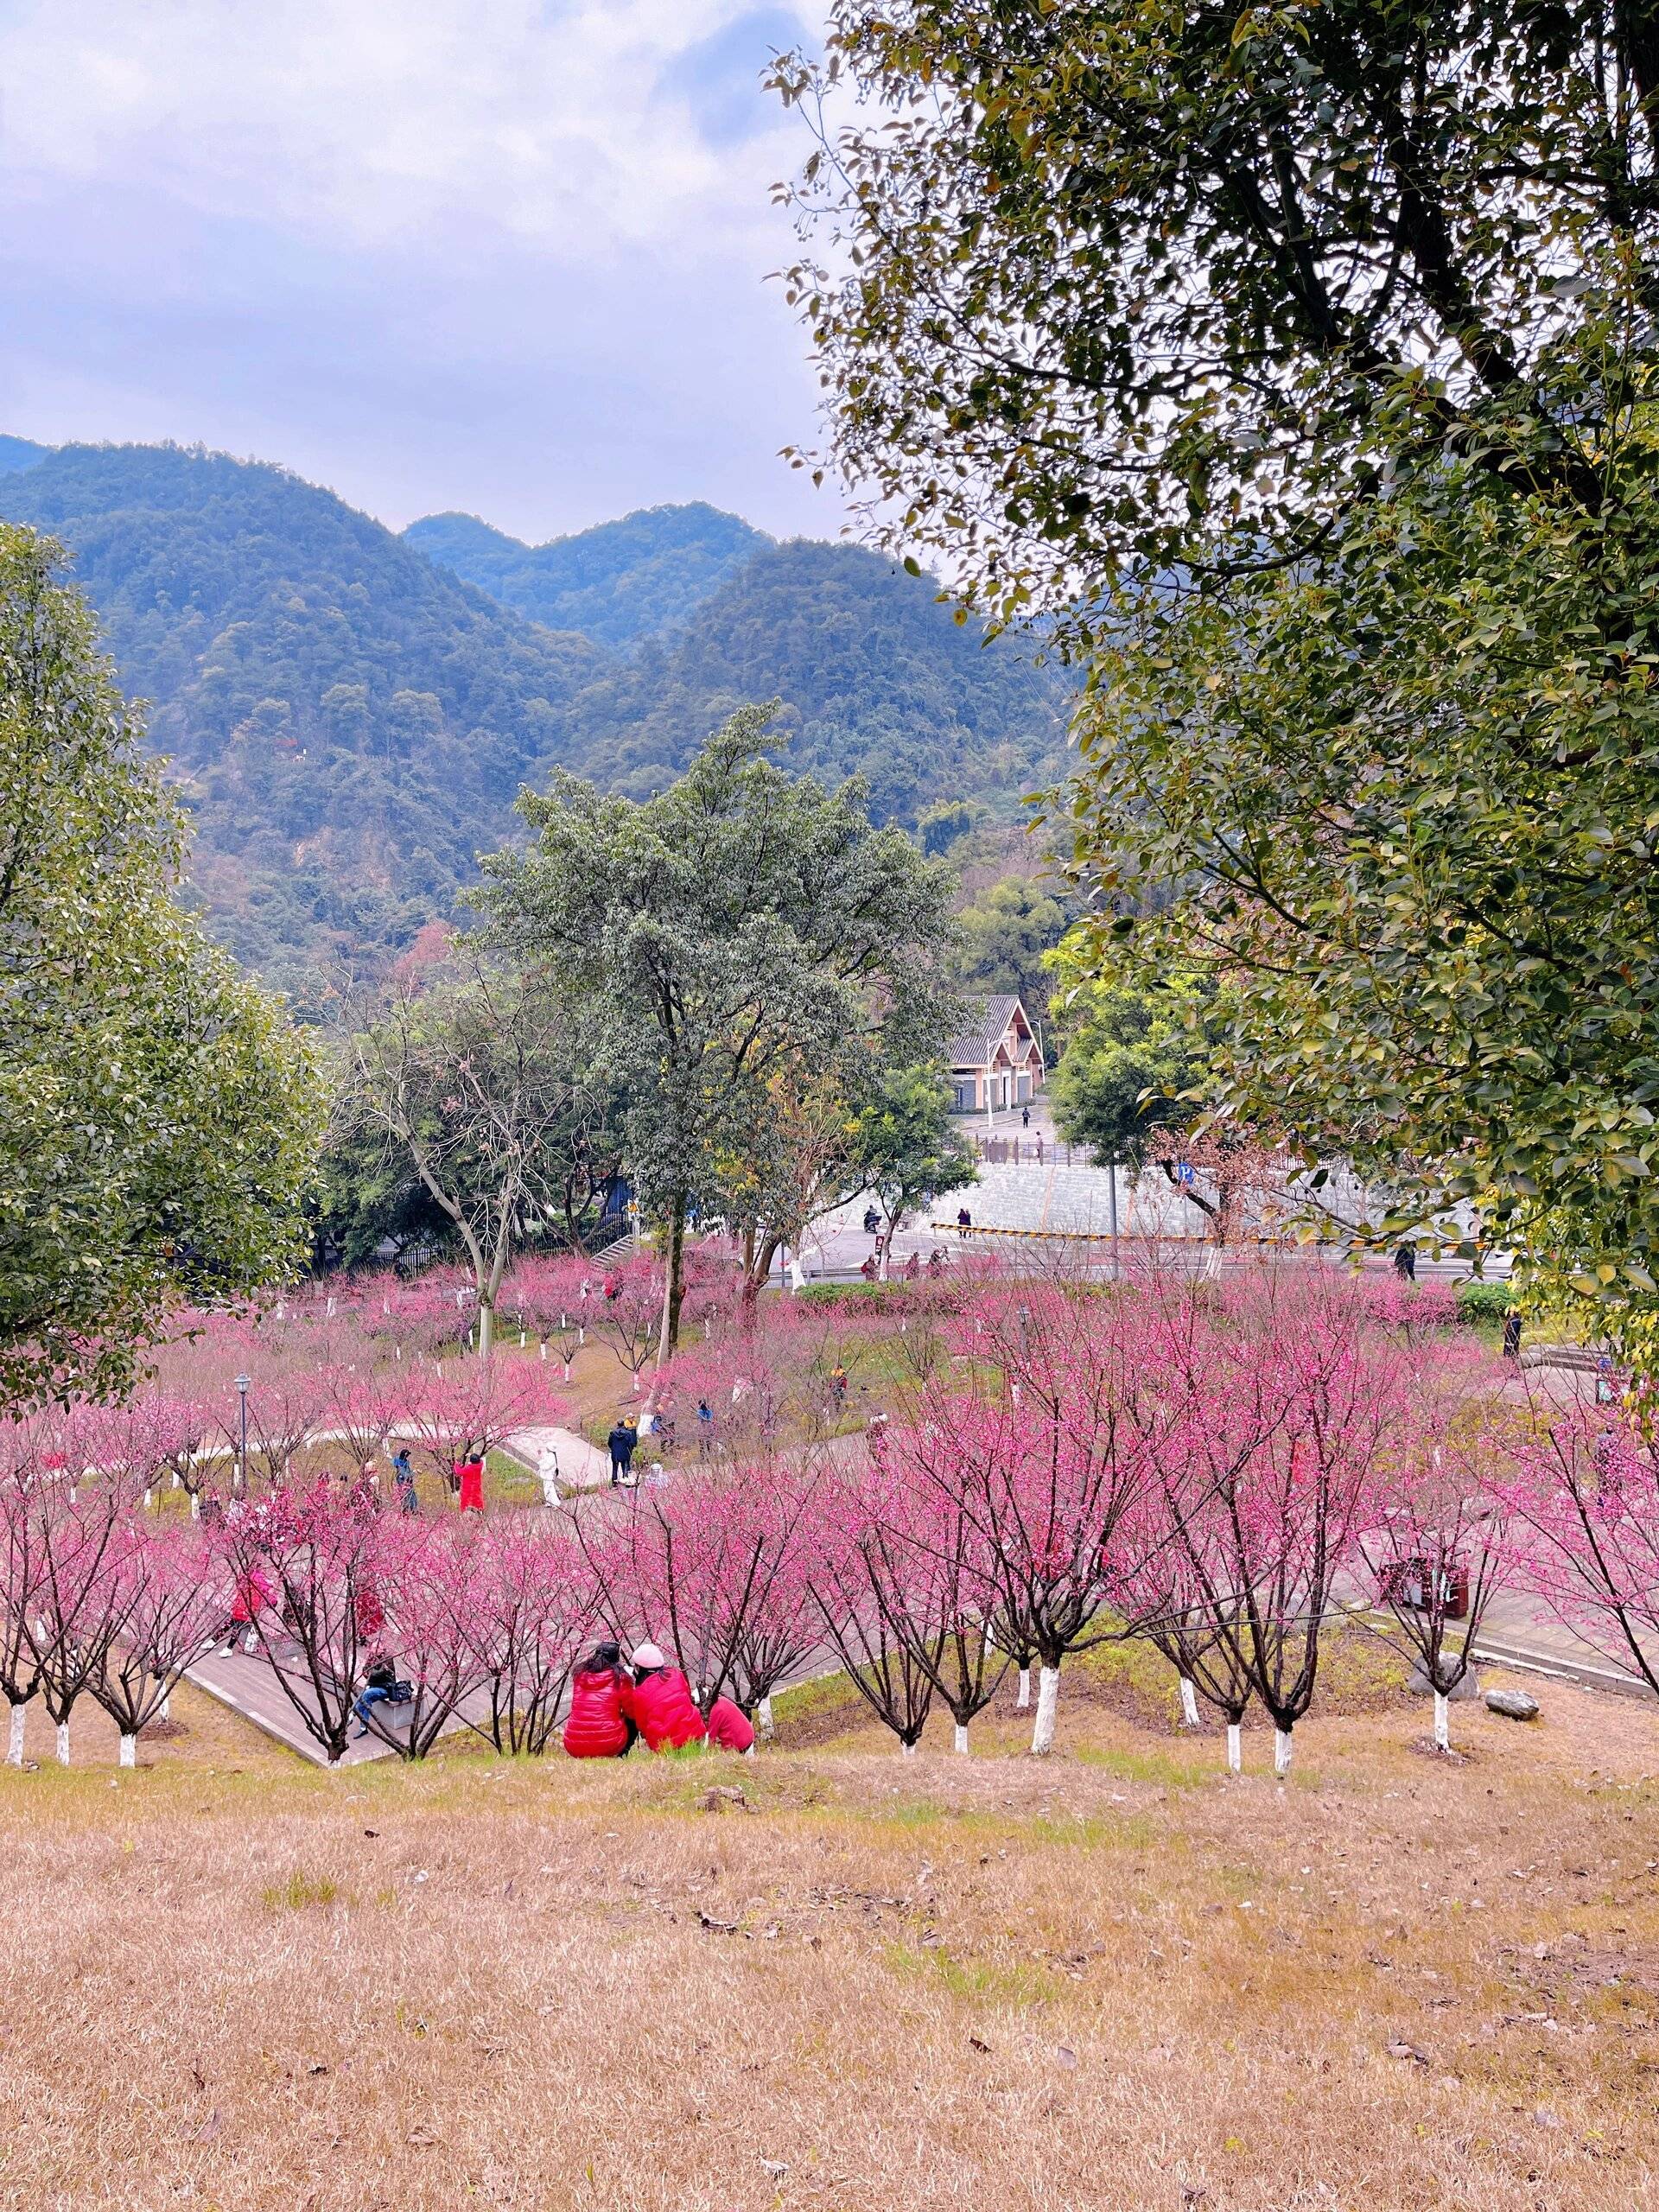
158 1117
1111 285
741 923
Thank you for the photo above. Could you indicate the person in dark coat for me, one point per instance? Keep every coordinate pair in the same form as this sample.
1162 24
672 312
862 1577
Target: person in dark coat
621 1441
598 1727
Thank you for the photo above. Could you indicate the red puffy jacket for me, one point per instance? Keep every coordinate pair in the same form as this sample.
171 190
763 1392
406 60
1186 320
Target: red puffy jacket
595 1728
729 1726
663 1708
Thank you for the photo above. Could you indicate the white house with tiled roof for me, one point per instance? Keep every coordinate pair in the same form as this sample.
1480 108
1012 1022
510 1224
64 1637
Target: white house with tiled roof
996 1064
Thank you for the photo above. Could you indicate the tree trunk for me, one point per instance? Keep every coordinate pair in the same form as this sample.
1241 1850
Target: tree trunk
1189 1703
485 1327
15 1743
1281 1749
129 1749
907 1750
63 1743
1048 1697
1234 1748
1022 1703
961 1739
673 1284
763 1712
1442 1722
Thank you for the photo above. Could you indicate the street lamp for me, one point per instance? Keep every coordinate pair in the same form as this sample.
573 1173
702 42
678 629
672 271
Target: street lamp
244 1384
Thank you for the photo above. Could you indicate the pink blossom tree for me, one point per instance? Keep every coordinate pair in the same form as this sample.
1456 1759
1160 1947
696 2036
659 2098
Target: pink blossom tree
168 1594
74 1611
626 1311
1583 1497
1434 1544
877 1604
539 1611
436 1583
326 1556
475 1407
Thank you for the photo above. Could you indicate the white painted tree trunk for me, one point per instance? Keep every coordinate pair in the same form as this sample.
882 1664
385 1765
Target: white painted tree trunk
164 1710
1234 1748
149 1499
128 1750
1282 1748
14 1742
1048 1697
1022 1703
63 1743
961 1739
195 1505
1189 1702
908 1750
1442 1722
764 1714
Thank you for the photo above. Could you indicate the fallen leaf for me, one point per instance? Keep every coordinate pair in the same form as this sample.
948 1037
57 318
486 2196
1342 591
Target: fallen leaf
974 2043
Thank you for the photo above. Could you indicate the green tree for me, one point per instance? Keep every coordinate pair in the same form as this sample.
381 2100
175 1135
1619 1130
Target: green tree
1405 804
1132 1057
740 920
477 1082
1007 931
1104 288
905 1148
159 1117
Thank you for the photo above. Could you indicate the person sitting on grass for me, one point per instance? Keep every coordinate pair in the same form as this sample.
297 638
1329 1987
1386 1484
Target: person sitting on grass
660 1704
598 1727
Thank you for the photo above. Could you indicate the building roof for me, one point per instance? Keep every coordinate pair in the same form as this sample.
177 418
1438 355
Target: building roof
975 1047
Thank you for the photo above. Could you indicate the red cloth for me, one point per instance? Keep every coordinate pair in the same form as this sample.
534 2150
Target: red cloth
729 1726
595 1728
663 1710
471 1473
253 1593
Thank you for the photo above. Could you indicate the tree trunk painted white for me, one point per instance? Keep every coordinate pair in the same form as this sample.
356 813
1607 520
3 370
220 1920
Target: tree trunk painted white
486 1330
1048 1697
150 1498
544 1353
908 1750
764 1714
1189 1702
128 1750
1442 1722
962 1740
14 1741
63 1743
195 1505
1234 1748
1022 1703
164 1710
1282 1749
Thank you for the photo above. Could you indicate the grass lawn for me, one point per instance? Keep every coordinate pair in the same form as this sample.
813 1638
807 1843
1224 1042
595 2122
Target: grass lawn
1115 1979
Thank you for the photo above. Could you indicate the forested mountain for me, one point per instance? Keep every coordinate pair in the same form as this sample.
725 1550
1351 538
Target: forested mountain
617 583
351 723
19 453
875 676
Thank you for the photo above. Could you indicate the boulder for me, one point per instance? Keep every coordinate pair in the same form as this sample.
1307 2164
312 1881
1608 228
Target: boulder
1514 1705
1467 1689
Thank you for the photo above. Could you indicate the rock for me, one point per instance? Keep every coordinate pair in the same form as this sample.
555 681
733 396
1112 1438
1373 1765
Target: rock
1468 1688
1514 1705
721 1800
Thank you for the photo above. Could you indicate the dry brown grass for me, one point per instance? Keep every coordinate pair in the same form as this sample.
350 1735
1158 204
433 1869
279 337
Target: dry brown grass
1116 1979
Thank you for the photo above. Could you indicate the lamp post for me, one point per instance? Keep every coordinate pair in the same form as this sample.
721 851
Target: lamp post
244 1384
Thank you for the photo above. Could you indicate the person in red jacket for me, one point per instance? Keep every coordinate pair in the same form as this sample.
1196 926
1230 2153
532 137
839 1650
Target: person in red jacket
469 1482
660 1703
598 1727
728 1726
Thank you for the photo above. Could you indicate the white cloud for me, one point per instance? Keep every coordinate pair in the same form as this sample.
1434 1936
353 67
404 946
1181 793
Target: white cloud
392 239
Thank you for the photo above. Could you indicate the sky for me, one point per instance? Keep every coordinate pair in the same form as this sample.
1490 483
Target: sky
490 255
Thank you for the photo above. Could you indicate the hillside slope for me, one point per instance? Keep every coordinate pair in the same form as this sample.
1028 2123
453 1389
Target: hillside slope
349 723
617 583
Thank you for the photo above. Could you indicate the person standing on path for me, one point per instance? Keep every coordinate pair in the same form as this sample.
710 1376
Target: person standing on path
621 1441
469 1481
402 1475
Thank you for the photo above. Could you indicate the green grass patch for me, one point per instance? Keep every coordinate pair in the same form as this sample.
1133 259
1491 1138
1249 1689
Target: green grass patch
300 1893
975 1980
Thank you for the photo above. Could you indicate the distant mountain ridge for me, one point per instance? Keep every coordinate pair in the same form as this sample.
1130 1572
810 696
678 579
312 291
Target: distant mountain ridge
350 720
616 583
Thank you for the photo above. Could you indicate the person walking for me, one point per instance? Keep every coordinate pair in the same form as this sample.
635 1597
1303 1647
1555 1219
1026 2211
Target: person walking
1405 1262
402 1475
547 1473
705 1428
964 1221
621 1442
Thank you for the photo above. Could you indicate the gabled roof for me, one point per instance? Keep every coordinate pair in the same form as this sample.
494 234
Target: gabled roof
975 1047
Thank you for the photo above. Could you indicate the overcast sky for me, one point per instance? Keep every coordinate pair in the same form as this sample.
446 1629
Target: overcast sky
492 255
